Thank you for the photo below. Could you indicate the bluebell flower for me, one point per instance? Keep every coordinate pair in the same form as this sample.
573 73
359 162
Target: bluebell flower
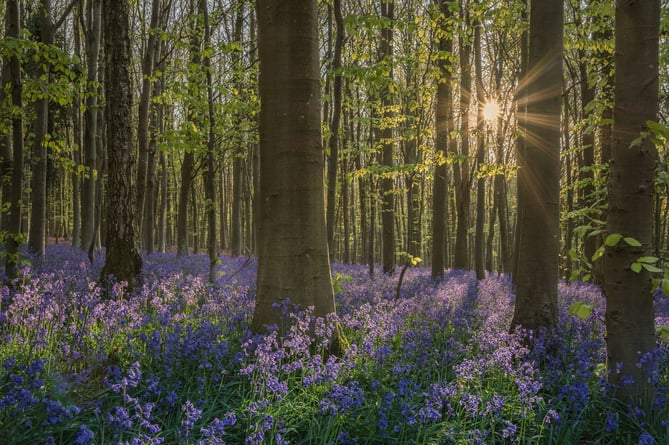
84 436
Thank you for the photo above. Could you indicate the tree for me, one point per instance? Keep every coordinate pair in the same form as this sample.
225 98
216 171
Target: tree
12 233
539 172
144 109
293 260
123 259
443 124
88 196
629 300
334 127
385 135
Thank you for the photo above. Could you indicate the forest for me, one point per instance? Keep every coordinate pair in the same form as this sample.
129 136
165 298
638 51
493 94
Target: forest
334 222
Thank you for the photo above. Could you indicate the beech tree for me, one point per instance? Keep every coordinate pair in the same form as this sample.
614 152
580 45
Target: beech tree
293 260
630 318
12 233
538 230
122 258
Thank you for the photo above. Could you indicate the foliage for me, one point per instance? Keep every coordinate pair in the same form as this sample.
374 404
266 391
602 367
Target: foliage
174 362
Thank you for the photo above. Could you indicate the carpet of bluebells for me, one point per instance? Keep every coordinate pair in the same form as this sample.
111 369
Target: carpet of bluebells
174 362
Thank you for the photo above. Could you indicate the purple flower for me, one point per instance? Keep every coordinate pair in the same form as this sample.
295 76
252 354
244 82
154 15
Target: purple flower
84 436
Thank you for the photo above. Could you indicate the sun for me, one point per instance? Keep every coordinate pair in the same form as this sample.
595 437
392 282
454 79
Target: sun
490 111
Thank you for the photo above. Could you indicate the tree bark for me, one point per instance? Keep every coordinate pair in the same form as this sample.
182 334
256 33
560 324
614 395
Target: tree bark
539 173
481 138
443 122
123 260
629 299
144 111
38 192
13 235
333 162
386 140
88 198
461 168
293 260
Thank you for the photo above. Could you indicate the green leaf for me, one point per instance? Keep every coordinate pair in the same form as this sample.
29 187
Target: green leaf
613 239
665 287
636 267
647 259
632 241
662 333
651 268
581 310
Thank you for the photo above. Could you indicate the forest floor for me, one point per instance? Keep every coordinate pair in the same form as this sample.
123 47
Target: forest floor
174 362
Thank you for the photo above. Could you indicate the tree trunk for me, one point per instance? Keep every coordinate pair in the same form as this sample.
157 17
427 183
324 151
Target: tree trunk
76 149
333 162
481 138
210 176
461 167
88 198
162 207
144 111
629 299
13 236
443 124
386 140
38 193
293 259
236 228
6 157
539 173
123 259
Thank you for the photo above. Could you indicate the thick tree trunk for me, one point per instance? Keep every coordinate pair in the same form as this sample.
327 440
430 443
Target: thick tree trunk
123 259
88 198
539 173
293 259
629 299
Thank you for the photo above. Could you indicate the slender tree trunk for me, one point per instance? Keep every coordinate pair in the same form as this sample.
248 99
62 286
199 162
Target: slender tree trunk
162 212
386 140
144 112
76 151
461 168
237 223
123 259
38 193
88 198
293 259
630 331
333 162
481 138
6 156
13 234
210 176
539 173
444 123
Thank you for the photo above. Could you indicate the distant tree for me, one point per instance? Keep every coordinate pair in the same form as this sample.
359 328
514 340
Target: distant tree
293 259
539 172
630 329
123 259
